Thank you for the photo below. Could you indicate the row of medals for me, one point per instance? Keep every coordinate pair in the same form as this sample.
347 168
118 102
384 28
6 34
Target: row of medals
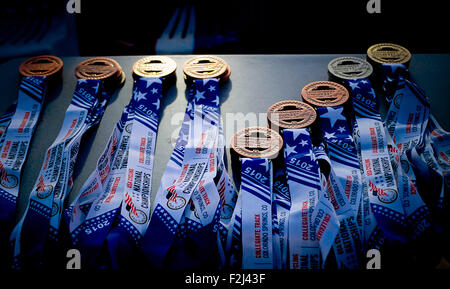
251 142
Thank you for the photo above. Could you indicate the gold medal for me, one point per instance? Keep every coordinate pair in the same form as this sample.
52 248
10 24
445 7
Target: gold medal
325 93
291 114
388 53
257 142
44 65
154 66
206 66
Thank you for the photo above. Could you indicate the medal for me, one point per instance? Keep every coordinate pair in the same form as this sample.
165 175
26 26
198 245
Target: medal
388 53
291 114
324 93
257 142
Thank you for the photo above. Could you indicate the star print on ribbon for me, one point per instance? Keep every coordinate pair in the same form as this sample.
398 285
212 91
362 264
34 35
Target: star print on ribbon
385 202
304 184
409 108
406 125
189 177
135 208
119 212
342 152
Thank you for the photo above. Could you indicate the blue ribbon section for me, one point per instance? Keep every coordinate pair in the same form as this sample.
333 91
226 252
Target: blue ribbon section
336 134
34 226
163 230
34 87
366 105
124 240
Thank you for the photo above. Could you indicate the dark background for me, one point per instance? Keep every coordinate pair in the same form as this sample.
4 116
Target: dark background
132 27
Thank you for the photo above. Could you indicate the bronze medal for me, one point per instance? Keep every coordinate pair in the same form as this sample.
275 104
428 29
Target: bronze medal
98 68
325 93
349 68
206 66
291 114
257 142
44 65
101 68
154 66
388 53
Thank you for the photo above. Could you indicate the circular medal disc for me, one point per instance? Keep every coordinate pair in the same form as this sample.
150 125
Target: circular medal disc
349 68
388 53
257 142
291 114
206 66
325 93
154 66
99 68
44 65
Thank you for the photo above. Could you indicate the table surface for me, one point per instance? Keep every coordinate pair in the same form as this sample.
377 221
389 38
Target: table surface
256 82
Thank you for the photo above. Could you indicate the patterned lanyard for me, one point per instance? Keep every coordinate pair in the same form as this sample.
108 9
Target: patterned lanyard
342 160
118 212
380 170
209 236
189 176
304 185
18 126
406 124
40 222
251 241
5 120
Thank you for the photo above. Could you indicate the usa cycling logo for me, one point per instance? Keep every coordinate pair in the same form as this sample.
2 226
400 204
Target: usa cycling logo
136 215
386 196
8 181
174 201
42 190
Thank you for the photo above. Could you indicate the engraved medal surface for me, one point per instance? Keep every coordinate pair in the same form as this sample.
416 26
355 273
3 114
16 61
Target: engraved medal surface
44 65
206 66
291 114
388 53
154 66
349 68
257 142
325 93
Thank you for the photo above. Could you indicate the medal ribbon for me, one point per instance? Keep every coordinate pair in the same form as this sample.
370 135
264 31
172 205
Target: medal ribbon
409 108
406 122
135 208
216 196
347 244
30 234
344 165
304 184
196 171
256 204
77 211
5 120
385 202
143 110
280 211
18 126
